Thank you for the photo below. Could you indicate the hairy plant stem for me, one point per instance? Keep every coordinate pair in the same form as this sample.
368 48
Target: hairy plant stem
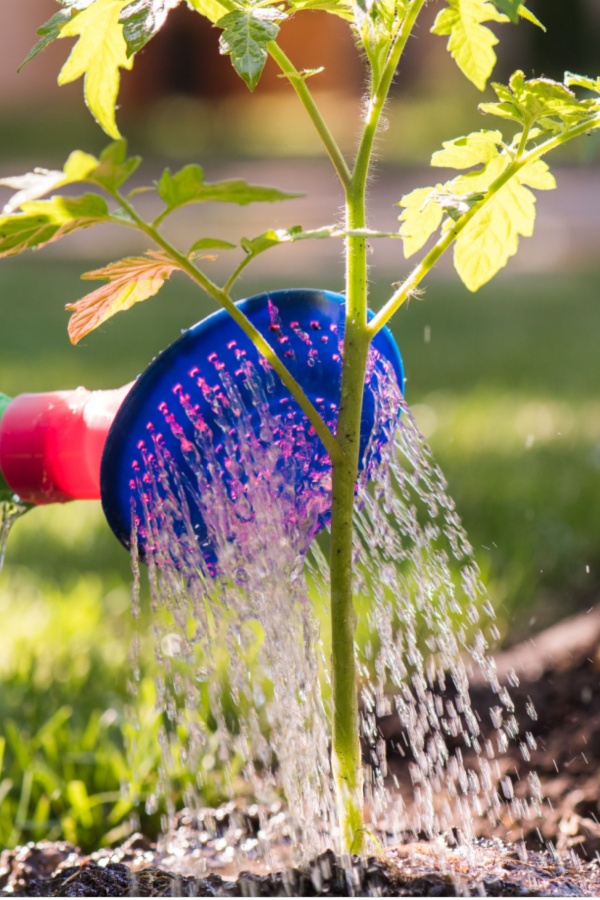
347 763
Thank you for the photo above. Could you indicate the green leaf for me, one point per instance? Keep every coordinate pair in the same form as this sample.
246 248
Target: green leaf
97 56
422 216
510 8
44 221
113 168
470 43
142 19
210 244
486 244
188 186
49 32
246 35
130 281
527 14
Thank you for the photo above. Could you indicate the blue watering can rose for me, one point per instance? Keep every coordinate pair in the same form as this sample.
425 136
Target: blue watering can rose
209 427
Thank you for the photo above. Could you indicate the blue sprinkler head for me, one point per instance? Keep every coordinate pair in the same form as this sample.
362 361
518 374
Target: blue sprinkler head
189 425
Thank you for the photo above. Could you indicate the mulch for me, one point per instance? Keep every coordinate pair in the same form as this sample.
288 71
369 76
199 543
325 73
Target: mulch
555 855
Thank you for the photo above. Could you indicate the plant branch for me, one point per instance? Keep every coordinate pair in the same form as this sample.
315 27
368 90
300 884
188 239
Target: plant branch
223 299
298 82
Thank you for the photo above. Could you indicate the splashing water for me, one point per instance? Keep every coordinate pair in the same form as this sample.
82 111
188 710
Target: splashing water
240 622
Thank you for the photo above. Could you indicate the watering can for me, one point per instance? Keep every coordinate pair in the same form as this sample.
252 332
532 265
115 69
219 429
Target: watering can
80 444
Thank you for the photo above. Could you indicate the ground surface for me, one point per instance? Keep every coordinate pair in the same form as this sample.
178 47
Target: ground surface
559 671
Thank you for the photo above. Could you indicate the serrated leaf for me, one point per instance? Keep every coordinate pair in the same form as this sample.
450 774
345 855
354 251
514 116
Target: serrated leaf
44 221
470 43
210 9
142 19
245 38
98 55
422 216
49 32
188 186
486 244
471 150
539 101
130 281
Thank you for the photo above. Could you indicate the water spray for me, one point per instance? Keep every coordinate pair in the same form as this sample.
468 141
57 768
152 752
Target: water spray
66 445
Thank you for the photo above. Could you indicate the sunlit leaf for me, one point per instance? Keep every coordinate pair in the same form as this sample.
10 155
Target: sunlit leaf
44 221
98 55
470 43
492 237
421 217
130 281
211 9
110 171
245 38
188 186
142 19
582 81
527 14
471 150
539 101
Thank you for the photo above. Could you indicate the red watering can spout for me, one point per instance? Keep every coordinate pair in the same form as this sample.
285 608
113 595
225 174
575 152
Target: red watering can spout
51 444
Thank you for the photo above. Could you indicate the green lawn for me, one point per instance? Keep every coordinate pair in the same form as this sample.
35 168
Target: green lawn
507 385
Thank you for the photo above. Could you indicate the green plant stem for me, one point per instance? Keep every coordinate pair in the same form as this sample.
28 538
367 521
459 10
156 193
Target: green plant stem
347 762
223 299
298 82
417 275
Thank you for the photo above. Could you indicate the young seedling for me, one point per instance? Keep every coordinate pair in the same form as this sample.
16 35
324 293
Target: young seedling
481 213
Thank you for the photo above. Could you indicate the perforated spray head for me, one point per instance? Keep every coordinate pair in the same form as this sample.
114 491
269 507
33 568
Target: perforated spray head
198 424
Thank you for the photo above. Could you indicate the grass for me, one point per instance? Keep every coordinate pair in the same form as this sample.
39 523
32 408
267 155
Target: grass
503 384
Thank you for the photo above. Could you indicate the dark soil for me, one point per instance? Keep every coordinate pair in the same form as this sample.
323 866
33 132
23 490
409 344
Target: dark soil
556 855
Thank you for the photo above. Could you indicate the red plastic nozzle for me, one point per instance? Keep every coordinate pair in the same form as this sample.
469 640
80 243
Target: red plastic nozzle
51 444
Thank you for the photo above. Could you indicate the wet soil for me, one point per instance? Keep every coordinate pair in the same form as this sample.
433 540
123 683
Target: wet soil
554 855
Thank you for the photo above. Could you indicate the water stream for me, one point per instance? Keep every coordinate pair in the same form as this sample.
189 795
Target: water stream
241 631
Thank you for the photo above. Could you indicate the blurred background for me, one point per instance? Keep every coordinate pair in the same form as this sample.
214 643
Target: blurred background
505 384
